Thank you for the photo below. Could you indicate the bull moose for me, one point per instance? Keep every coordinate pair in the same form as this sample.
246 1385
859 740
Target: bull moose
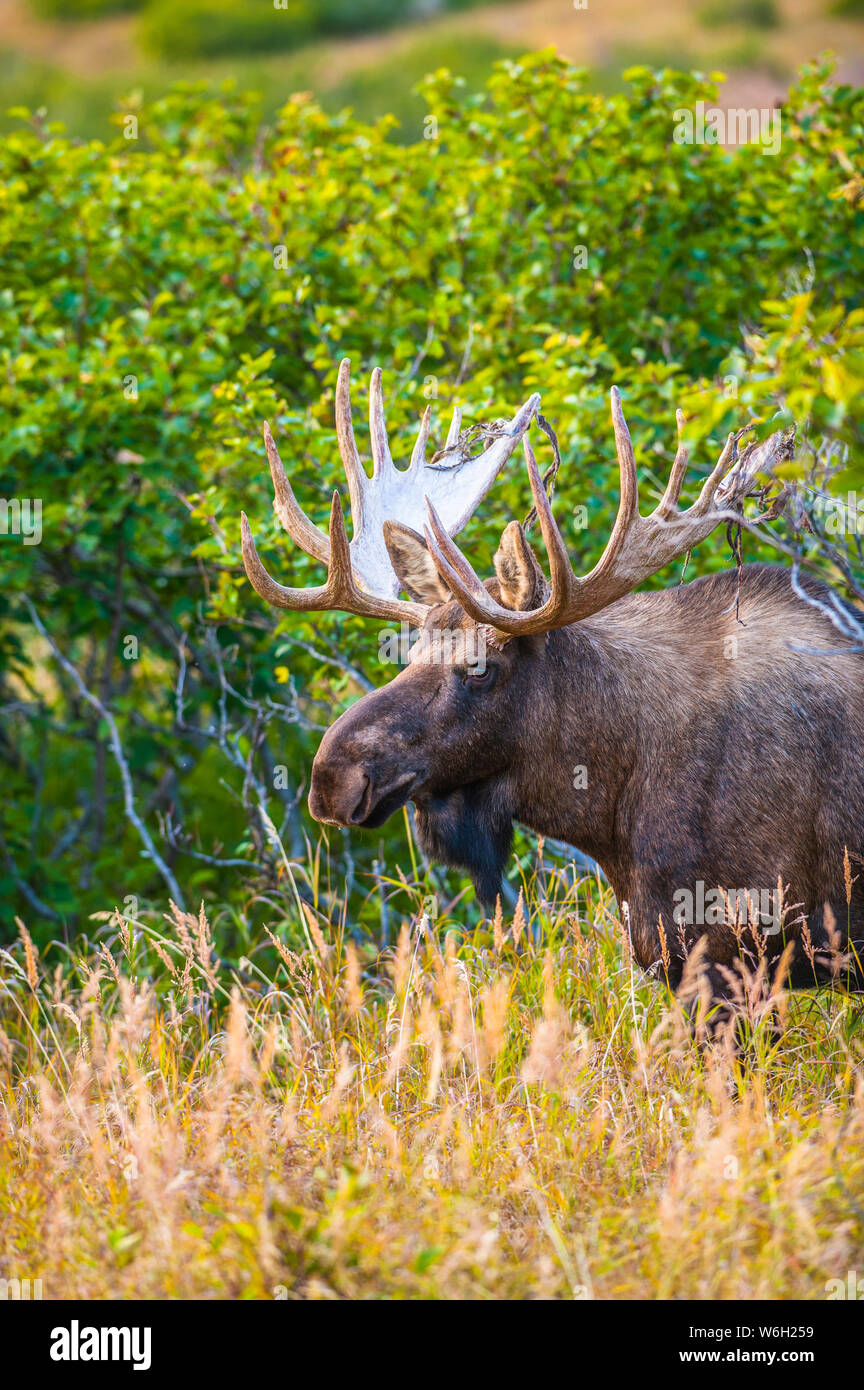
719 724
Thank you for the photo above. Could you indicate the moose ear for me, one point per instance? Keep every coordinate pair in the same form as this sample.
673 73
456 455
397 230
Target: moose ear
413 564
522 582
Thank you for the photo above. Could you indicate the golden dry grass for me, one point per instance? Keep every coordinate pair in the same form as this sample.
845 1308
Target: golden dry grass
511 1111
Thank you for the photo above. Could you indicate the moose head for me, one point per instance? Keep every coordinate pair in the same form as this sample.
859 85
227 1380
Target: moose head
467 730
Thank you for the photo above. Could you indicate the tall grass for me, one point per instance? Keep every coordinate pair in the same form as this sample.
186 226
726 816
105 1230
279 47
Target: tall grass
508 1110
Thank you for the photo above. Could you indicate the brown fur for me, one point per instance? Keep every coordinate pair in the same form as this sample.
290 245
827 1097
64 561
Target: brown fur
714 751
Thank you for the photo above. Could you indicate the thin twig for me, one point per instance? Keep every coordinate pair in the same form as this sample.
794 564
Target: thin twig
132 815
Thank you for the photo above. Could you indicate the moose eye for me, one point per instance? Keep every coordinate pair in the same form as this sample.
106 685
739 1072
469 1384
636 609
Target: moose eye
480 680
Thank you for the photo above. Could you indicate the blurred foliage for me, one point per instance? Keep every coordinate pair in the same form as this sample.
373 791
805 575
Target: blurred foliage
88 105
761 14
392 85
81 9
184 29
163 295
210 28
177 29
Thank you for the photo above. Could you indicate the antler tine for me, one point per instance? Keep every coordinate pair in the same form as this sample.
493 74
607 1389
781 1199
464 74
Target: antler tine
355 473
455 426
453 568
564 582
418 453
340 591
628 506
340 581
571 595
457 490
669 500
295 521
381 460
265 585
704 501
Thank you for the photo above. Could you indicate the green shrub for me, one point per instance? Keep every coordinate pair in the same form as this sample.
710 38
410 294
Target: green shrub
180 29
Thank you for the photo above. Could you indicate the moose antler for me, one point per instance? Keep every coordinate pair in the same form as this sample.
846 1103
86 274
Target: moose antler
360 577
637 547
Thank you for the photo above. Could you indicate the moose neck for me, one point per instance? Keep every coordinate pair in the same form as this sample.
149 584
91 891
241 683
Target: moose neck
600 701
585 733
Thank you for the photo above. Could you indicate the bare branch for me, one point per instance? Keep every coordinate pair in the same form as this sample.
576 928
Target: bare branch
132 815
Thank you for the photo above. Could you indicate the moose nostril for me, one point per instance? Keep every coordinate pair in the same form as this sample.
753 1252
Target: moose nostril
360 806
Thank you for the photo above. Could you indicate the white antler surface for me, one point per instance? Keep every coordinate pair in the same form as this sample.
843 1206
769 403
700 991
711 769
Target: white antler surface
390 494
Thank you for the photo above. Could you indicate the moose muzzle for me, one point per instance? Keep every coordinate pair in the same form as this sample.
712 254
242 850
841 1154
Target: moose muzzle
361 774
344 793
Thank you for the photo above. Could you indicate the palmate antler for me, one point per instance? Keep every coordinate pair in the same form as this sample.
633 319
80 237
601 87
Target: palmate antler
637 548
360 576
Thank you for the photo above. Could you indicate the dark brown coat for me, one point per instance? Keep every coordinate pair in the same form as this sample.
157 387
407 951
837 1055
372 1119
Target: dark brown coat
715 750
